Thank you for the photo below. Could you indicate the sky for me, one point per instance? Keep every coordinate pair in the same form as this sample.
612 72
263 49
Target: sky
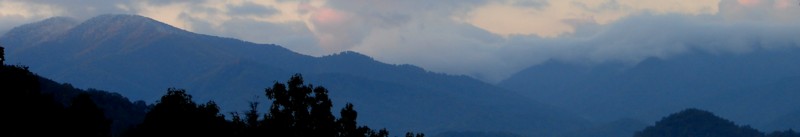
486 39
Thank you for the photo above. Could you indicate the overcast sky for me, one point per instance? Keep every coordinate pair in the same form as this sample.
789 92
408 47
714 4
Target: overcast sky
486 39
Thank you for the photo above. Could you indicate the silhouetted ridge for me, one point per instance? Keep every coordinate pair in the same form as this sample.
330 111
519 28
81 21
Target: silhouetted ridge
743 85
700 123
697 123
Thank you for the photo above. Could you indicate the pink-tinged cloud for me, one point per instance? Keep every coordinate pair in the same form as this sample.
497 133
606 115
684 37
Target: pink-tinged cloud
334 29
328 16
749 2
783 4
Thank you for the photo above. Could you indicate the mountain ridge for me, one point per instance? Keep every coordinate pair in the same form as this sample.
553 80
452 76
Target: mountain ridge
732 84
233 72
44 30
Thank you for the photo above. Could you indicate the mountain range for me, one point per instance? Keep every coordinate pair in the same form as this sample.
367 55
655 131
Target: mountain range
755 88
140 58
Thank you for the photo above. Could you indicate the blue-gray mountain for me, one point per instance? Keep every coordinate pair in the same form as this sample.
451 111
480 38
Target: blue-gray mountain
757 88
140 58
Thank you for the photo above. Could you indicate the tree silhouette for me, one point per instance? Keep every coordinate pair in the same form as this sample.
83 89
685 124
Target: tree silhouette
348 126
321 117
300 110
250 126
280 118
29 109
347 122
295 111
175 114
252 115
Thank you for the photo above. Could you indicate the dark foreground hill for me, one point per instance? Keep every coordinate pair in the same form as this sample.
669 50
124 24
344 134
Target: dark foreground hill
701 123
139 58
37 106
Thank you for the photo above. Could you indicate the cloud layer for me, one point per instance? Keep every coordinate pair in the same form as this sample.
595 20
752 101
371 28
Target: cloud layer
486 39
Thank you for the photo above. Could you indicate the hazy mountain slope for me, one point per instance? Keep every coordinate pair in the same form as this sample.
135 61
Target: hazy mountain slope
730 84
141 58
773 106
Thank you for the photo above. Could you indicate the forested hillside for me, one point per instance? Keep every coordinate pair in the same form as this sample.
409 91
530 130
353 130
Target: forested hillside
52 109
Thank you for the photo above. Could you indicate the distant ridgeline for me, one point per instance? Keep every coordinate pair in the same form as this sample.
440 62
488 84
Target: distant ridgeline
37 106
140 57
700 123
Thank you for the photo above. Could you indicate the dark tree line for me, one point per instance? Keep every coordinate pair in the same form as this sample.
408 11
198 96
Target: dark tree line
29 112
297 110
175 114
33 103
123 113
33 113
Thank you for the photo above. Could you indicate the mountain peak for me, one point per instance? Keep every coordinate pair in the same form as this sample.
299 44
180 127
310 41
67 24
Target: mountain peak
119 24
59 20
37 32
126 19
52 23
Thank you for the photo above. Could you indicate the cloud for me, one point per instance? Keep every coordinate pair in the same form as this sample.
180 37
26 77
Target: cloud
83 9
554 18
489 40
436 44
15 13
643 36
735 29
760 10
344 24
249 8
589 33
